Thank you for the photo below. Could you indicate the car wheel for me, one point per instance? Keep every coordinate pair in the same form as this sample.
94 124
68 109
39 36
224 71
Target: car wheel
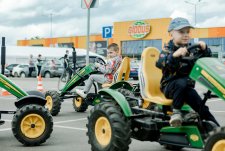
15 74
22 75
48 75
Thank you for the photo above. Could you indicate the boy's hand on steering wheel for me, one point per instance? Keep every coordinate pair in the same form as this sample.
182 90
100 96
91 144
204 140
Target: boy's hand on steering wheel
202 44
180 52
97 65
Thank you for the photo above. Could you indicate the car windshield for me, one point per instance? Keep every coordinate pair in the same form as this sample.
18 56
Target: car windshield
53 62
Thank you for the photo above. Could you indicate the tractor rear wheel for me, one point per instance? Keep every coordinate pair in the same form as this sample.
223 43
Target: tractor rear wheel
108 128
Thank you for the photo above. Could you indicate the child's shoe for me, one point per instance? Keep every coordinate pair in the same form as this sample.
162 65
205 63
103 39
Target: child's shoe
81 93
176 118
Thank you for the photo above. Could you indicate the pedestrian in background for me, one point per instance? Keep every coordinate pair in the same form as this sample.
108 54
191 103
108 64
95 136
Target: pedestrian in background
39 64
31 65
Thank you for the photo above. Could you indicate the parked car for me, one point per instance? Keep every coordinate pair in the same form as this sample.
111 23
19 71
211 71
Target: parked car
6 72
134 66
10 68
52 68
49 69
21 70
81 60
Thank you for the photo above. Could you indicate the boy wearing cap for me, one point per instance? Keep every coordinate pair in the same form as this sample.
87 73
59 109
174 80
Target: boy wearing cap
175 83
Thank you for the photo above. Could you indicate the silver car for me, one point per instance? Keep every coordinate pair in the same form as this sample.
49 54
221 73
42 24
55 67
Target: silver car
52 68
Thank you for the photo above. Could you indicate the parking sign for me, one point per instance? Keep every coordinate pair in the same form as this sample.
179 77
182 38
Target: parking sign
107 32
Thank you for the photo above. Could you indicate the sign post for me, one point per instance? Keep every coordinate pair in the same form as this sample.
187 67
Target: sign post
87 4
107 33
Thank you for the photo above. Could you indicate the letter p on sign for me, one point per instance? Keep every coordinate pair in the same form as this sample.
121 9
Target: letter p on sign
107 32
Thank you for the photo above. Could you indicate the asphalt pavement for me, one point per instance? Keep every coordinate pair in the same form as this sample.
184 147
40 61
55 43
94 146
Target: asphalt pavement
69 131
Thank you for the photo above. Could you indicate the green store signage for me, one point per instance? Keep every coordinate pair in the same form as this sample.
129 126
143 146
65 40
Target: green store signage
139 29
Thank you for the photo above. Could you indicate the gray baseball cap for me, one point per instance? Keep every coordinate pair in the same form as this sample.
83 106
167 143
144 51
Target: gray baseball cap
179 23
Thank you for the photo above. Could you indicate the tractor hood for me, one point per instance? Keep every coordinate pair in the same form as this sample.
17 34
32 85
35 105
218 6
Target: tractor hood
211 73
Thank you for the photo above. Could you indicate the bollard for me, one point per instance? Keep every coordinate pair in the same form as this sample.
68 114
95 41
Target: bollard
3 55
74 59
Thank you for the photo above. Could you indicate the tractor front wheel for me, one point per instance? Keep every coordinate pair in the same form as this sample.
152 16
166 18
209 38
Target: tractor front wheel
108 128
32 125
79 104
216 140
53 102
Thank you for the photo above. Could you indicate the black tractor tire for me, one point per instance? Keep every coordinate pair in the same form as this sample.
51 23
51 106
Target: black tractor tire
53 102
30 117
115 133
79 104
216 136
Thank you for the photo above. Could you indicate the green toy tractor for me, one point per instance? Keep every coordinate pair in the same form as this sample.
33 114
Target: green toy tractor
120 115
54 98
32 123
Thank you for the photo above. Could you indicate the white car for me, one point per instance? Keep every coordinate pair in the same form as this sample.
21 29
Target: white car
21 70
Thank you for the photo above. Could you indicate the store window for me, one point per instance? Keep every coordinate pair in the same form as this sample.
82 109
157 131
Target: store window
65 45
38 45
98 47
219 42
134 48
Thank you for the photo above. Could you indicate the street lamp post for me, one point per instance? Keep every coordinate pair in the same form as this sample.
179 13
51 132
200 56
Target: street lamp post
51 14
195 5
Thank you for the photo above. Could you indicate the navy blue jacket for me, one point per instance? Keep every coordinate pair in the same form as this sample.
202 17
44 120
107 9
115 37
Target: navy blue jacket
173 68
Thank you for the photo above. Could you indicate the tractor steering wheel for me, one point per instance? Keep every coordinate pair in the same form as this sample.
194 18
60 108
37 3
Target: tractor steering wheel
195 53
99 60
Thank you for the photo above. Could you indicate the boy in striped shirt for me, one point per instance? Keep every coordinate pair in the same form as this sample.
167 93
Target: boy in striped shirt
107 69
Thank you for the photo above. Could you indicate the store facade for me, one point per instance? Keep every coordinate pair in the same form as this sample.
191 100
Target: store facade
134 36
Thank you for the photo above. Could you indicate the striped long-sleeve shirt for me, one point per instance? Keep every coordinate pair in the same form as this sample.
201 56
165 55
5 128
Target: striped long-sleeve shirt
110 67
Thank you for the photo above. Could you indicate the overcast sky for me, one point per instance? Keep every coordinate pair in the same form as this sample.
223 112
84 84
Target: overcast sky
24 19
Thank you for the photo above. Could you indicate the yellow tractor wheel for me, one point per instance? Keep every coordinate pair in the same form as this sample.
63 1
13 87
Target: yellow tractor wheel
79 104
32 125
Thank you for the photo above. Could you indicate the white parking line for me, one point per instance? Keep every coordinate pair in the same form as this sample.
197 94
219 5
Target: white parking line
7 120
68 127
5 129
217 111
58 126
7 98
67 121
59 122
214 100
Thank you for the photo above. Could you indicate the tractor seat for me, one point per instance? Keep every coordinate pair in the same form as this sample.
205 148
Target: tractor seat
122 72
149 78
